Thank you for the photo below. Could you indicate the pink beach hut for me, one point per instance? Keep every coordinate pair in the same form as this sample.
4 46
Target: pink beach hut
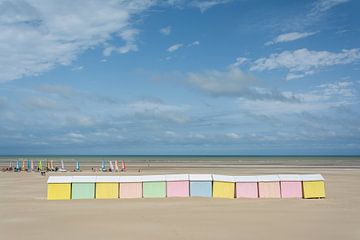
130 187
269 186
246 186
177 185
290 186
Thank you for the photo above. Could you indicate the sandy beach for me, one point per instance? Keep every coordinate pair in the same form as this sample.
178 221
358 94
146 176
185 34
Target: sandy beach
26 214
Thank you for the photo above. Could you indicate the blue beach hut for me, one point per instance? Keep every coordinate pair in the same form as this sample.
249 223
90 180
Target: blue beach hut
200 185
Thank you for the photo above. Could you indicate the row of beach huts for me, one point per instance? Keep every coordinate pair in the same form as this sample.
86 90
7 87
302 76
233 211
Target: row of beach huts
186 185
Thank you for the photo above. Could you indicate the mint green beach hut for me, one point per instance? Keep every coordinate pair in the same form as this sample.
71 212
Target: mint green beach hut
154 186
83 187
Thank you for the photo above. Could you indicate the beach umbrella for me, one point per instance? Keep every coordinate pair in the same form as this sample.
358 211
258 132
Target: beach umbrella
77 166
116 165
111 166
28 165
62 164
123 167
40 165
10 165
17 165
52 165
23 166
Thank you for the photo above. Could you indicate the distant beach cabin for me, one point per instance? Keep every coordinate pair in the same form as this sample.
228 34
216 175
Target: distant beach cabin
83 187
269 186
177 185
313 186
223 186
107 187
59 188
290 186
246 186
154 186
130 187
200 185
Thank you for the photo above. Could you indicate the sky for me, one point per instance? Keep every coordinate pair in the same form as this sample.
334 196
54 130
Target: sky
211 77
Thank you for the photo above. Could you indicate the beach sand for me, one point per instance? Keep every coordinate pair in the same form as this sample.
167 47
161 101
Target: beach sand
26 214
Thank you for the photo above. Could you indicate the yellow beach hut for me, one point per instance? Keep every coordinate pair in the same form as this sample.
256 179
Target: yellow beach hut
59 188
223 186
313 186
107 187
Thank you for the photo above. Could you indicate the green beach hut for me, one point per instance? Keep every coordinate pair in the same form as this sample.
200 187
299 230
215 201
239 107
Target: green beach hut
83 187
154 186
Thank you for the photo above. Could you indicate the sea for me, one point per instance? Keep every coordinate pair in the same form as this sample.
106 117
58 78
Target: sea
95 160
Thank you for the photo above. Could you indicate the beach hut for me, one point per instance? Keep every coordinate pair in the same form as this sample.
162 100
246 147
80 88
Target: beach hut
154 186
59 188
83 187
107 187
269 186
246 186
223 186
177 185
130 187
313 186
200 185
290 186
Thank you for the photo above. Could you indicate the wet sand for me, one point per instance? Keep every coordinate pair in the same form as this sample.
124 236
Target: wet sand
26 214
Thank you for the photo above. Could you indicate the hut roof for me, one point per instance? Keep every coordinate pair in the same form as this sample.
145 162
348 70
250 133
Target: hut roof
200 177
268 178
223 178
290 177
105 179
312 177
130 179
246 178
83 179
59 179
177 177
153 178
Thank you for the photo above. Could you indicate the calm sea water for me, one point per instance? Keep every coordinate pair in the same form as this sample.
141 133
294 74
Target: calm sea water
273 160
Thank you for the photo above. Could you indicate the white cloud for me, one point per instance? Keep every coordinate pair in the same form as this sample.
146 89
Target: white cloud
166 30
175 47
232 135
304 62
321 6
38 36
287 37
323 98
204 5
230 82
157 110
233 83
195 43
128 36
239 61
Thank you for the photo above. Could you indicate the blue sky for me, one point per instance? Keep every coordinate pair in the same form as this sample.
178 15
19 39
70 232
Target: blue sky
179 77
